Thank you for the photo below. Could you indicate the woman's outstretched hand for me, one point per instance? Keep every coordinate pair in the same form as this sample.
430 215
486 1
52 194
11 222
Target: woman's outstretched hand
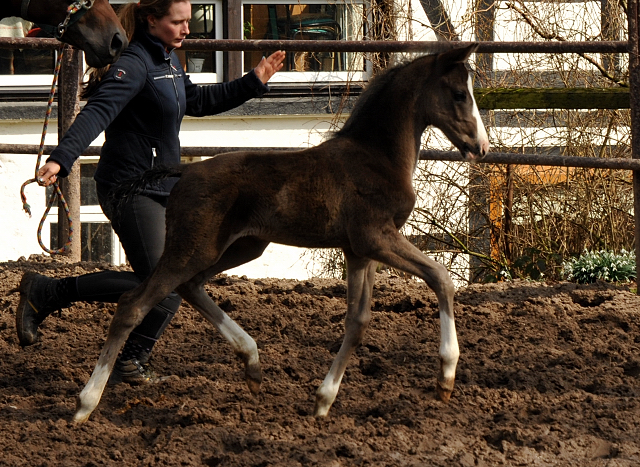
268 66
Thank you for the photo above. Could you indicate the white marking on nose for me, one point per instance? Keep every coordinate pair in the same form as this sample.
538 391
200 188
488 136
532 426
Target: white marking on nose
483 138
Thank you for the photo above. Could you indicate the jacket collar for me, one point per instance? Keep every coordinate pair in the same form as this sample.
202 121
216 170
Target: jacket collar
153 45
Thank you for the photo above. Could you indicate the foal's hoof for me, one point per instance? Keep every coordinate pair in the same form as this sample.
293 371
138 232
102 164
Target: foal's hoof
253 377
82 413
324 401
444 394
444 391
321 409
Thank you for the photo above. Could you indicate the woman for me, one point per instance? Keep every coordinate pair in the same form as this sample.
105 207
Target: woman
139 103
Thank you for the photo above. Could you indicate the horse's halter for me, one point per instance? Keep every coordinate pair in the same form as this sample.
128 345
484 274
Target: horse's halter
75 11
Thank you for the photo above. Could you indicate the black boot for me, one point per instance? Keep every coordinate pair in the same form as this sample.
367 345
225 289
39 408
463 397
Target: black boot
133 372
132 366
39 297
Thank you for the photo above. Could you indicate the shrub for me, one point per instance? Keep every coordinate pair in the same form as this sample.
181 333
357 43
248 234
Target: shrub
601 265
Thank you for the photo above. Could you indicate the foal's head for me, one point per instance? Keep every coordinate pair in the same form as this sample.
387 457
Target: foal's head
450 104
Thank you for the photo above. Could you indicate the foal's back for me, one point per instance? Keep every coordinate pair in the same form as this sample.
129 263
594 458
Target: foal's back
308 198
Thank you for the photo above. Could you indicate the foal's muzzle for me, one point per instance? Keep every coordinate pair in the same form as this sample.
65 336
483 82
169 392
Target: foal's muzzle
474 152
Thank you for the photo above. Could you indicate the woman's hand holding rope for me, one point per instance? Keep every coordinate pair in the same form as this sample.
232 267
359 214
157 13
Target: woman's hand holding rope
48 173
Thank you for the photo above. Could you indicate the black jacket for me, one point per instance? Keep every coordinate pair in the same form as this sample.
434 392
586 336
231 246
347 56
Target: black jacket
141 102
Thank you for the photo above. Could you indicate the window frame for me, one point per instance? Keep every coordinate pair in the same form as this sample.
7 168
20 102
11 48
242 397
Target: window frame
89 214
305 77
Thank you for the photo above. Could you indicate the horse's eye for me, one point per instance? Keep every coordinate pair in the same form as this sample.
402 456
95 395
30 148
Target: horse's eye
459 96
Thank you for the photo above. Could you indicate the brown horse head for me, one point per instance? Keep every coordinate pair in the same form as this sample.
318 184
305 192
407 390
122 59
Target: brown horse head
94 28
458 116
400 103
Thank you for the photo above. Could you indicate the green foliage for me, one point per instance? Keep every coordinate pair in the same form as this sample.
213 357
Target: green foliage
248 29
500 275
601 265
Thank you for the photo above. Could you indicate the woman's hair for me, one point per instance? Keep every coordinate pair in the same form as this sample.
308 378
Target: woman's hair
133 17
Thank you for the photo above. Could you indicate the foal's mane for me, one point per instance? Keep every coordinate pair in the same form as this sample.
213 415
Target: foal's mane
376 86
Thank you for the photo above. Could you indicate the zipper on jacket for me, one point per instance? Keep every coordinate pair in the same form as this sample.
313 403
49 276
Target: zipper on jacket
154 156
175 88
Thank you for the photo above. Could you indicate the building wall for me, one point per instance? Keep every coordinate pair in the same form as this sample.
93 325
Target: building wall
18 232
18 235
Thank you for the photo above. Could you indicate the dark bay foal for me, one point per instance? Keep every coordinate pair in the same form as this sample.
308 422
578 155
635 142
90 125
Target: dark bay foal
353 192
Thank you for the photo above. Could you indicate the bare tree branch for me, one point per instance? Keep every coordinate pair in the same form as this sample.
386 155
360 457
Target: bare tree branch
530 20
439 19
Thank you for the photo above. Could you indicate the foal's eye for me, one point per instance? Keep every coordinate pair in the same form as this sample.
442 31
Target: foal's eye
459 96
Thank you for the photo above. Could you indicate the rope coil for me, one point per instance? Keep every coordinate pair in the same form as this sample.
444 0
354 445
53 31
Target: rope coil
57 192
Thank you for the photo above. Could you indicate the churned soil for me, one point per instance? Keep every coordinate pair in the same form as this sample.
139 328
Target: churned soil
549 375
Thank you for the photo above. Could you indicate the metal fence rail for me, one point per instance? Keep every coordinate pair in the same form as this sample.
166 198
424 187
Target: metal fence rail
229 45
617 163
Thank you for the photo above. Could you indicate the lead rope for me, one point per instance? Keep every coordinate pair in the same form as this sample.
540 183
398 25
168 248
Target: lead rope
57 192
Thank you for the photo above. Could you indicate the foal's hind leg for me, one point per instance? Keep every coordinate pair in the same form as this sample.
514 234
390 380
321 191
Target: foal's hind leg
360 279
242 343
242 251
396 251
133 306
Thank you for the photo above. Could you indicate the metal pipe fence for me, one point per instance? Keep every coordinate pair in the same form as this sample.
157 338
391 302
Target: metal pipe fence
631 47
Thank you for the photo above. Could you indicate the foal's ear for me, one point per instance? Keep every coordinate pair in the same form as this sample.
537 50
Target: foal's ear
453 57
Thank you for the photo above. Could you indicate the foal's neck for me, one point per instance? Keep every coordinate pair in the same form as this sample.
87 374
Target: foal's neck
386 117
389 124
386 121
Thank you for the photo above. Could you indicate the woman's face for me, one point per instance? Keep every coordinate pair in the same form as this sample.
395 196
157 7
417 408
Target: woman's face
174 27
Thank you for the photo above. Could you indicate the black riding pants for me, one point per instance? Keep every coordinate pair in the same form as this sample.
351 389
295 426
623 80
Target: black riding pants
139 223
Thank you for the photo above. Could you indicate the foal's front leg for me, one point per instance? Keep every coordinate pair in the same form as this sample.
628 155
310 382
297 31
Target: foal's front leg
397 252
360 279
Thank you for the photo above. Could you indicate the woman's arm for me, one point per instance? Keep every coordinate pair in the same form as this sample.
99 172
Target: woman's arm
119 85
217 98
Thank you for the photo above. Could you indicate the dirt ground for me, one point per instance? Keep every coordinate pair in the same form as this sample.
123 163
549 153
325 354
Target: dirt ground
549 375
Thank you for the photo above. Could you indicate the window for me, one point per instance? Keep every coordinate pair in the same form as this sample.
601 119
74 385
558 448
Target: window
312 20
20 68
206 23
99 241
33 69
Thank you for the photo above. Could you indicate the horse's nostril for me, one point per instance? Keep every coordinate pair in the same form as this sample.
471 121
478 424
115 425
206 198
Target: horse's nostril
117 44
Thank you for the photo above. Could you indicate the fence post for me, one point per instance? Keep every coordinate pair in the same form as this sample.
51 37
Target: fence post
485 182
634 89
233 60
68 108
